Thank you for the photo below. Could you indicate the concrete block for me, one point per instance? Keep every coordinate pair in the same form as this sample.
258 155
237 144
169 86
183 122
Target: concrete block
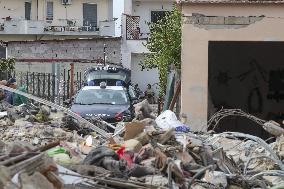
255 19
218 20
204 20
133 145
237 20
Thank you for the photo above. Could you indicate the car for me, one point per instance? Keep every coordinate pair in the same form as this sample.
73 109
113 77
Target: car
111 103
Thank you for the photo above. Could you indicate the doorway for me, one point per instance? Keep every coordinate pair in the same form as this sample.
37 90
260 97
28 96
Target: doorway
247 76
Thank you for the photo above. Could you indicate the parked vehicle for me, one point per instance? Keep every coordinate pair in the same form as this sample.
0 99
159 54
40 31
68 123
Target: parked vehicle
113 76
111 103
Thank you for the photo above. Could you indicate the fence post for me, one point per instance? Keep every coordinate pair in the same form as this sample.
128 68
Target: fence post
38 84
27 82
64 85
77 83
53 88
43 86
33 79
48 88
72 79
68 84
80 80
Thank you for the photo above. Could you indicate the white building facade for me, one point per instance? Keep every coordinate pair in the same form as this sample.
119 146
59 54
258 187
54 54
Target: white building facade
50 18
48 32
135 31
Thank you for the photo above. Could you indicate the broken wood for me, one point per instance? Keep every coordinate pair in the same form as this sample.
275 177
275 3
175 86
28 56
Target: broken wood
175 97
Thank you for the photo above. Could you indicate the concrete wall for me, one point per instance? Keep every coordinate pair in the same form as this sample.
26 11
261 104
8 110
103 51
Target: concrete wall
66 49
132 50
16 10
142 78
195 47
37 56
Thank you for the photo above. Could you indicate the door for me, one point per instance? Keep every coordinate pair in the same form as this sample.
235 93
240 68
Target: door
28 6
90 16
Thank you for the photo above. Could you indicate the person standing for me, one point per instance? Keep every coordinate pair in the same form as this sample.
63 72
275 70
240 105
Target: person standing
19 99
137 90
149 94
9 95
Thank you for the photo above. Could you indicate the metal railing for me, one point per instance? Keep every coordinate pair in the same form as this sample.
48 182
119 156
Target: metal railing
55 88
133 31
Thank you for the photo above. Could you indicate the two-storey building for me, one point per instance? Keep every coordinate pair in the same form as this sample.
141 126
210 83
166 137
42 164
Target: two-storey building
135 31
44 33
39 31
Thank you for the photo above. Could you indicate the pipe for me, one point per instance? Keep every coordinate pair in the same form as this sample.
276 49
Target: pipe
36 9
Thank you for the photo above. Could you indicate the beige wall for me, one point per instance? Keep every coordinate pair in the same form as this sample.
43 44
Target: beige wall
195 49
16 9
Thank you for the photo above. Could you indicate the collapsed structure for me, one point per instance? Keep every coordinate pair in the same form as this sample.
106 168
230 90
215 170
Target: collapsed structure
43 147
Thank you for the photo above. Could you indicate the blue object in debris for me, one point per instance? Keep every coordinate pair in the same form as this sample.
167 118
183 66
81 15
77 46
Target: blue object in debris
183 128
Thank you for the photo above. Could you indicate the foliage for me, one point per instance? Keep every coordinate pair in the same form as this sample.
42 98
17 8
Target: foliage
164 43
7 64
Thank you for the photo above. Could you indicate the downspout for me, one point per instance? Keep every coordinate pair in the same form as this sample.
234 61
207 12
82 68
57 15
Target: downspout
36 9
36 15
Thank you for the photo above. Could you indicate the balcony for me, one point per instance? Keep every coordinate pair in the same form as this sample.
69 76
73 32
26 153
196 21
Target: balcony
133 31
56 27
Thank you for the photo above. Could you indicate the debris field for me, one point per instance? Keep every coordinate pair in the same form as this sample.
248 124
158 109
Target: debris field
42 147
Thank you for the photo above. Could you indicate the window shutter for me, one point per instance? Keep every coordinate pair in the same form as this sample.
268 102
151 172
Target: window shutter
49 10
28 6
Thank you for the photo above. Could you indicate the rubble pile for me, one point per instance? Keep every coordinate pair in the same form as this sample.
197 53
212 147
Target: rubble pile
149 152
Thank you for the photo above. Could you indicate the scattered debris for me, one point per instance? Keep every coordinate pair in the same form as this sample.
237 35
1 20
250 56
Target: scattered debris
45 148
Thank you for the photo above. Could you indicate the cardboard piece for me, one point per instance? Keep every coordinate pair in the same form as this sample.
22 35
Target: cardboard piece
133 129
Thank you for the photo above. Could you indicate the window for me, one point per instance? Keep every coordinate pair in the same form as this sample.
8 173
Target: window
90 16
3 52
157 15
102 96
49 11
28 6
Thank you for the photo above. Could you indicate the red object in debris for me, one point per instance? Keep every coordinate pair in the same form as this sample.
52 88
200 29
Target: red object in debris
120 152
128 156
118 116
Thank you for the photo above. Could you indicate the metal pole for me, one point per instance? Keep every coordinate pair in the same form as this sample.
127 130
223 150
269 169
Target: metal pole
72 80
58 82
105 54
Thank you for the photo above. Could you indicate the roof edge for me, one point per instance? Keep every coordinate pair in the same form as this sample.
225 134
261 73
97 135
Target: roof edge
230 2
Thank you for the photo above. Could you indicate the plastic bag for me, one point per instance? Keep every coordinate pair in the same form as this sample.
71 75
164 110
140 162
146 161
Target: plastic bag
168 120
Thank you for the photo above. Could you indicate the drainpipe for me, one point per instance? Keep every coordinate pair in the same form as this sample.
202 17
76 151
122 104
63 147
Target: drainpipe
36 9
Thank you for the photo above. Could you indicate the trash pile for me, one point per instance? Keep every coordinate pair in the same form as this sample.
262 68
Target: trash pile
45 148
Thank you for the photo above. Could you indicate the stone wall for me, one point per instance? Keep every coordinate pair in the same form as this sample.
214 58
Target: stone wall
39 56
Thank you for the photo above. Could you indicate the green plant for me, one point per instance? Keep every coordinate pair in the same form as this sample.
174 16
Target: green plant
7 64
164 44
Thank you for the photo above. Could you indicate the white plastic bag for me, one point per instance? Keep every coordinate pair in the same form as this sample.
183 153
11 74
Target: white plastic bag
168 120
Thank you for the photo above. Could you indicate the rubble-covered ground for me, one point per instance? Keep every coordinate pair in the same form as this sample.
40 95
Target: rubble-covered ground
45 148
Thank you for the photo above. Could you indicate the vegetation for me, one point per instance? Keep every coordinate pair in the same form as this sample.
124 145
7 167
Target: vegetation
7 64
164 43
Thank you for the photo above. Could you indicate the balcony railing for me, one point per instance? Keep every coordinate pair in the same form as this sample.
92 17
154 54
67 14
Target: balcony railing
133 31
70 28
56 27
